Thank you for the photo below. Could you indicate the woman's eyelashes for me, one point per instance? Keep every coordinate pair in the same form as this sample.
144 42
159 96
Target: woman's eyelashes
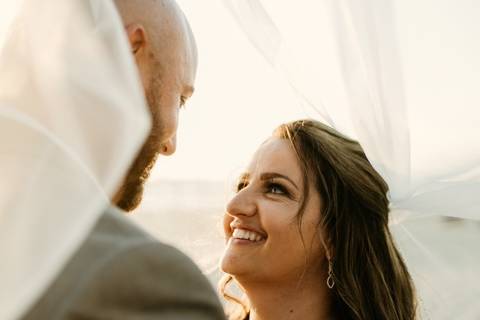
276 188
269 187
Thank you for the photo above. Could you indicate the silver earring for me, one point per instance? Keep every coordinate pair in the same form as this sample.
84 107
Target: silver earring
330 280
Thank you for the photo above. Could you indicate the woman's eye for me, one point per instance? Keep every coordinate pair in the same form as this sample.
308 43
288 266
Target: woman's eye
276 188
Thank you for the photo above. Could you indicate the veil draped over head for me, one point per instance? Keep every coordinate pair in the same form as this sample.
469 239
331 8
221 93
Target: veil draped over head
402 78
72 118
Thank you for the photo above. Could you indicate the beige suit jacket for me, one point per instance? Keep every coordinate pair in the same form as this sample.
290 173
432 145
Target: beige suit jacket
120 272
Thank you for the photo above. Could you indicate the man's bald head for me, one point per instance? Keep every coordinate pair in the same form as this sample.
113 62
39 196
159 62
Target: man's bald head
162 20
165 52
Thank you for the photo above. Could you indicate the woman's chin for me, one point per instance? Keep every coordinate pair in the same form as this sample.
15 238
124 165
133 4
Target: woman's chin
232 264
226 264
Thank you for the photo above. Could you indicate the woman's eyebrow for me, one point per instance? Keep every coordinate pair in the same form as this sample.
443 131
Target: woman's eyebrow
272 175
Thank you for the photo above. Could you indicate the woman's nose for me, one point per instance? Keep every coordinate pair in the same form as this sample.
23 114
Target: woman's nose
242 204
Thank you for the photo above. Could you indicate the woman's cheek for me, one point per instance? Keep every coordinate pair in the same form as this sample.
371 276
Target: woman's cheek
227 219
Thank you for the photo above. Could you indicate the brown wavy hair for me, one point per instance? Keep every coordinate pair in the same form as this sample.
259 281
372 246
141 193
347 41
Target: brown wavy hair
371 279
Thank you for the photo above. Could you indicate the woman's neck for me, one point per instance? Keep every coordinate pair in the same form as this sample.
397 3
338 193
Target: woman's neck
288 300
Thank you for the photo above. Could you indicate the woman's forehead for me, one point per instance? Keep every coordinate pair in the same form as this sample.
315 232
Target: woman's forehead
276 155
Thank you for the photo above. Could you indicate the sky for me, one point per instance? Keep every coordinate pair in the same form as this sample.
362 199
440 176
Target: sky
240 99
8 10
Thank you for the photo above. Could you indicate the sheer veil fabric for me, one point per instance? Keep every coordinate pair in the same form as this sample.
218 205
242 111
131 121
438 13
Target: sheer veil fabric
72 118
402 78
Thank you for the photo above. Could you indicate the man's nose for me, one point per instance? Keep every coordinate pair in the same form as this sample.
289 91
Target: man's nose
169 147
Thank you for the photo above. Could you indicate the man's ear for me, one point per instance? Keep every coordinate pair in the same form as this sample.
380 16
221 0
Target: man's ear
137 37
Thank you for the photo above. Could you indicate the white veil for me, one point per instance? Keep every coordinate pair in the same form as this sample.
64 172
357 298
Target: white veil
72 118
402 78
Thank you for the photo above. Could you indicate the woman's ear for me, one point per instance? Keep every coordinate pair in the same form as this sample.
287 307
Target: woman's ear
327 245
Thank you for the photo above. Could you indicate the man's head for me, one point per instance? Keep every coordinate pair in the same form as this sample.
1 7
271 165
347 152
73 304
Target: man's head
164 49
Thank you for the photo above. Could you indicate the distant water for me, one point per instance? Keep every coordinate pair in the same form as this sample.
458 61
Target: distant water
187 214
443 255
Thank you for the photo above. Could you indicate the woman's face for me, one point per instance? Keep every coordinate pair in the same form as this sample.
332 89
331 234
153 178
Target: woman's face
263 239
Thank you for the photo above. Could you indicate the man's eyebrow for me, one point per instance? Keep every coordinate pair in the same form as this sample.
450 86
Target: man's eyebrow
188 90
244 176
272 175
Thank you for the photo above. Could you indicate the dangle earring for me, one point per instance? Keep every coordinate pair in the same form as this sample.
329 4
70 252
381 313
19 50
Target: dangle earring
330 280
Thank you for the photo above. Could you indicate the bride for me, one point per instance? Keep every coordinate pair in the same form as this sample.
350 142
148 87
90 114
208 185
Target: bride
308 234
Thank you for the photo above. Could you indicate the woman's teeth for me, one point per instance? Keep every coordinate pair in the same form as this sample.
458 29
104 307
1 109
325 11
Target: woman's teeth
246 235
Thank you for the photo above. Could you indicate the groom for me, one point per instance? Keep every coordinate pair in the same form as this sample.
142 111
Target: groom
120 272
